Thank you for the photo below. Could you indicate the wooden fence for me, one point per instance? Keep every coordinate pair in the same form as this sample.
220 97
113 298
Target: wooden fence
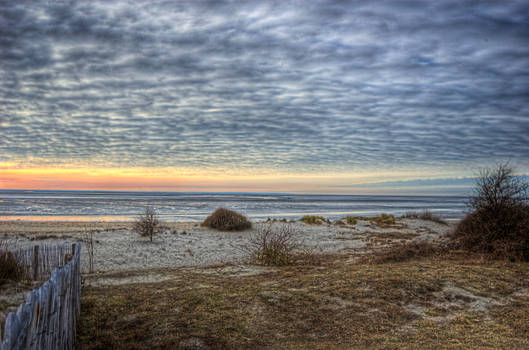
41 260
48 318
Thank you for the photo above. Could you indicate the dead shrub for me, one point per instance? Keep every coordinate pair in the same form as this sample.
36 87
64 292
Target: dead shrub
404 252
148 224
498 224
227 220
424 215
273 245
11 267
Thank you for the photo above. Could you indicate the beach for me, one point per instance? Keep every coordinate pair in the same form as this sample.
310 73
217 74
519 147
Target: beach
118 248
196 285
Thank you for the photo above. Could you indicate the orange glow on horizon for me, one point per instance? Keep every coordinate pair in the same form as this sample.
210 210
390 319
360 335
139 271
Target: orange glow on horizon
185 180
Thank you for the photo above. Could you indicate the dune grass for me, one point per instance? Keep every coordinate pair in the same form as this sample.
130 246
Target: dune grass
313 219
424 215
11 267
339 304
383 220
351 220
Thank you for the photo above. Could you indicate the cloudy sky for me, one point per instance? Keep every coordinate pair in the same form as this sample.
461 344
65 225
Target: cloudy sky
309 96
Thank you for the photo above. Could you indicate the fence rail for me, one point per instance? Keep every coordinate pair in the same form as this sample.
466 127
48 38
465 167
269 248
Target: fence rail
48 318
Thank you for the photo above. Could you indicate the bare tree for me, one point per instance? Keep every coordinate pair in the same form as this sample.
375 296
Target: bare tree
148 224
498 224
498 188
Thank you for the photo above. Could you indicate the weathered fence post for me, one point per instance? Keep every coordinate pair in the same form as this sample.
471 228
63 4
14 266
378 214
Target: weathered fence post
35 262
48 318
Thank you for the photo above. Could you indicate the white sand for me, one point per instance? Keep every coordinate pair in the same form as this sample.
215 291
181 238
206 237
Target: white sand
120 249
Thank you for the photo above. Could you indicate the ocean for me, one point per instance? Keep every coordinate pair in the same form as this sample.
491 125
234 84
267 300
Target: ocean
178 206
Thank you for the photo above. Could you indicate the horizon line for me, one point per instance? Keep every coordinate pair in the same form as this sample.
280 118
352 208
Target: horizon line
241 192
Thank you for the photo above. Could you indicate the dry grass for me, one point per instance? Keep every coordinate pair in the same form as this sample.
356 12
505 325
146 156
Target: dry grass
11 268
350 220
313 219
340 304
424 215
404 252
227 220
383 220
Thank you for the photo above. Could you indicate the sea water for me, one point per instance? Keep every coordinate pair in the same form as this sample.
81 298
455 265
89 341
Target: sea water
179 206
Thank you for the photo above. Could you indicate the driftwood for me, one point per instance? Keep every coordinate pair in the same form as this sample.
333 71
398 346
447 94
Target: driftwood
48 318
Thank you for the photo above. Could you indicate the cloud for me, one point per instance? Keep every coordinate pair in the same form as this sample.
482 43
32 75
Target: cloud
292 86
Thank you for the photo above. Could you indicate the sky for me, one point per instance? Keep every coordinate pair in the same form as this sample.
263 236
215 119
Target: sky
263 96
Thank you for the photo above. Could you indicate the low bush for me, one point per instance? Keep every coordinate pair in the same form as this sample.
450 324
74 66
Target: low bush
273 245
227 220
313 219
383 219
403 252
148 224
350 220
498 224
11 267
500 235
424 215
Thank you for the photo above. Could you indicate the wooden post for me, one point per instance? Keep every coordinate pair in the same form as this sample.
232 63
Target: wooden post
35 263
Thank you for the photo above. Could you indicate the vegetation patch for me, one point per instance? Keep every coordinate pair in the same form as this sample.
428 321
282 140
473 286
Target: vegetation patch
350 220
11 267
424 215
383 220
498 224
339 304
274 245
148 224
313 219
227 220
404 252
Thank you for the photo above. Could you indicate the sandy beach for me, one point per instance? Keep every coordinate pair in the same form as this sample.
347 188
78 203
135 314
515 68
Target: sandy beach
118 248
121 256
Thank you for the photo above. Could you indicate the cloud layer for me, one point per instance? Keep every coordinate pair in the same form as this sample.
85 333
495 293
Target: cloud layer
291 86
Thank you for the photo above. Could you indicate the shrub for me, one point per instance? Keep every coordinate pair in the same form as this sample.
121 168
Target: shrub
498 224
273 245
227 220
11 267
148 224
313 219
424 215
383 219
350 220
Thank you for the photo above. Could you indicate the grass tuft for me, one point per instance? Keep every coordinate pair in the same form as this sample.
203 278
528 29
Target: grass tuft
424 215
383 220
11 267
313 219
350 220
